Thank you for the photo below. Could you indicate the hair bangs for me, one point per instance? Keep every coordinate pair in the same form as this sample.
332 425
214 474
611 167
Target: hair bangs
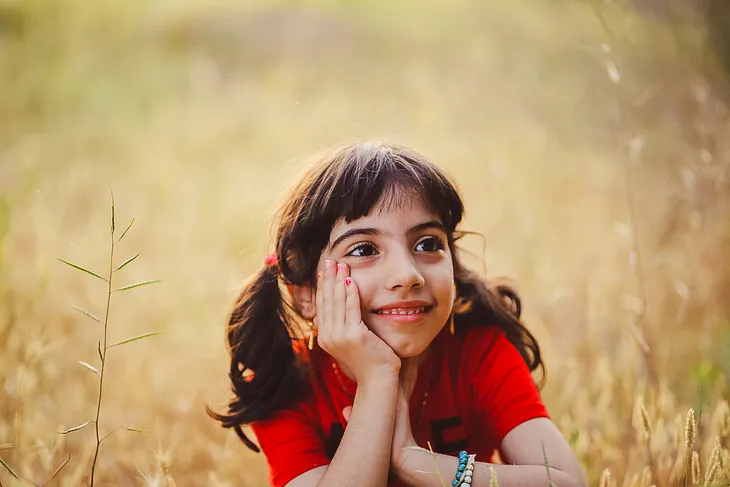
389 177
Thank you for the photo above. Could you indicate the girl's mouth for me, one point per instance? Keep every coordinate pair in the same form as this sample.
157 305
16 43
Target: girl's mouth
404 315
403 311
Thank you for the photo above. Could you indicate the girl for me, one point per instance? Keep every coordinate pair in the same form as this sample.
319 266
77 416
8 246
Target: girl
406 349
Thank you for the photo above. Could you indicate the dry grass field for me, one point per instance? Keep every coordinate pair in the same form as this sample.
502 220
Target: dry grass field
590 140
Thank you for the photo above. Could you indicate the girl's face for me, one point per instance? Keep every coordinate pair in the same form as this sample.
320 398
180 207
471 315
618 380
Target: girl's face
400 259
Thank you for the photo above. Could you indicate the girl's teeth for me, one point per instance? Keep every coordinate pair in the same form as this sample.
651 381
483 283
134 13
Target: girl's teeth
402 311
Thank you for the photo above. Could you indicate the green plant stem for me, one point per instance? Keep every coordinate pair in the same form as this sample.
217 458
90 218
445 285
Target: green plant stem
103 359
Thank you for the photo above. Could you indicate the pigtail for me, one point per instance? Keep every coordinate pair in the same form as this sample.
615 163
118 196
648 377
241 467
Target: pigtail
263 370
497 304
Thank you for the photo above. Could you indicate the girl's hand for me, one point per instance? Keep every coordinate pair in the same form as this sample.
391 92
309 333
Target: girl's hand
341 331
403 440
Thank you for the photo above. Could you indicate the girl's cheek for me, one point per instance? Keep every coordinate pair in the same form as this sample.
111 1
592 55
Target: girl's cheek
364 287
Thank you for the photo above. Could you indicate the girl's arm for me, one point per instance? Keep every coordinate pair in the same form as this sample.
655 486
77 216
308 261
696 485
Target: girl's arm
509 406
363 457
526 448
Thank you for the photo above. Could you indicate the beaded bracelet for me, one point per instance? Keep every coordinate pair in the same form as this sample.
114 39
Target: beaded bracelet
465 476
463 460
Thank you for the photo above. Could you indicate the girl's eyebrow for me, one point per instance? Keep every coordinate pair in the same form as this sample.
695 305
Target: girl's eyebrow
435 224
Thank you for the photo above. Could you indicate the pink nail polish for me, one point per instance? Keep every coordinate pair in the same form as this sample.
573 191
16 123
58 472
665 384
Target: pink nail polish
319 275
340 267
348 281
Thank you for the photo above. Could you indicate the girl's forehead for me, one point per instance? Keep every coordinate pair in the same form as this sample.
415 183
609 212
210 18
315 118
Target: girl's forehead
397 215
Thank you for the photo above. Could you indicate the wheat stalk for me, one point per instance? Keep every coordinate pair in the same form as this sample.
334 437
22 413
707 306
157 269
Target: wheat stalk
695 468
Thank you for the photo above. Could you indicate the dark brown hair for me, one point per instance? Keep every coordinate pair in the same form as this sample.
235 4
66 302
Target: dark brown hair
347 184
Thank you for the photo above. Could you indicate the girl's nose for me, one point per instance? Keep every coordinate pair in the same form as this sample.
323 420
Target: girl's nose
402 272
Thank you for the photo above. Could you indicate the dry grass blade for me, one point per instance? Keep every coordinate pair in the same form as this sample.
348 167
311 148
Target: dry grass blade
690 429
438 471
89 366
716 453
645 421
137 284
6 446
126 230
109 434
128 428
76 428
112 219
58 470
139 337
82 269
87 313
695 468
605 478
710 474
493 482
10 470
547 466
713 464
121 266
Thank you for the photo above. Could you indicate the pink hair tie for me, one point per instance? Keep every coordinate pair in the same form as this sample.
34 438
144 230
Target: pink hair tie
271 259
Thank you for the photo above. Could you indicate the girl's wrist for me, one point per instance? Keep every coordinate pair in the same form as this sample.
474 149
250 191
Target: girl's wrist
378 383
414 461
383 375
407 454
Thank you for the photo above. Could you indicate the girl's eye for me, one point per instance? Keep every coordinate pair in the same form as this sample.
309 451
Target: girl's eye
362 250
430 244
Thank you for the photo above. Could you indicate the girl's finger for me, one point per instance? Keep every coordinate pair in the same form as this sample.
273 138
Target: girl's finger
352 304
339 296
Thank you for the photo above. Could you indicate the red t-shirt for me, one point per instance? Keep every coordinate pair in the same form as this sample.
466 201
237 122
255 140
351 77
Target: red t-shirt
476 388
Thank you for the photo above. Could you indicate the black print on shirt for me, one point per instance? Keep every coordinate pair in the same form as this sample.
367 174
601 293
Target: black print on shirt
439 427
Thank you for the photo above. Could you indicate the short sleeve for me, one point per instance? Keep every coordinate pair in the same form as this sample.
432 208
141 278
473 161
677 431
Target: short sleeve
292 444
503 388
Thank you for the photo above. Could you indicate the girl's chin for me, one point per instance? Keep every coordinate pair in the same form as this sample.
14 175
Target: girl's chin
405 349
407 342
408 355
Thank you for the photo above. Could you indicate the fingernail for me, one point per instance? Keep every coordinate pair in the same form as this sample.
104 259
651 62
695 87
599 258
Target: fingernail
319 275
327 264
348 281
340 267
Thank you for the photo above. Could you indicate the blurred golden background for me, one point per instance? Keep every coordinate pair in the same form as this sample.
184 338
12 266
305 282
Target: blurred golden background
590 140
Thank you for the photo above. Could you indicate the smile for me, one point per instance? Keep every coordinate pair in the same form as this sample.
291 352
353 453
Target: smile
403 311
405 315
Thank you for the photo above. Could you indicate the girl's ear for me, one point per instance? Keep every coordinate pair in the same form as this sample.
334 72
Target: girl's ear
304 299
